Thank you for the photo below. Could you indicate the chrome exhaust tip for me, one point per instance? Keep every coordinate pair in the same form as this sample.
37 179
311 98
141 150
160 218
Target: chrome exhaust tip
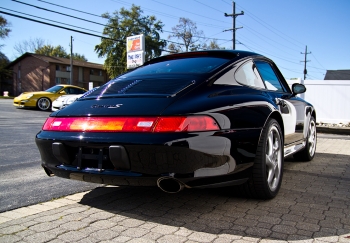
170 184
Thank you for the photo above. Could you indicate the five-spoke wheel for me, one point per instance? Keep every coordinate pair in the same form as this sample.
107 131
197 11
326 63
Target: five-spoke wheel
267 170
273 158
308 153
44 104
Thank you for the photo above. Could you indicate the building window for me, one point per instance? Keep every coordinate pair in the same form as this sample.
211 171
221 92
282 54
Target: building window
91 71
68 81
58 80
68 68
57 67
19 74
100 72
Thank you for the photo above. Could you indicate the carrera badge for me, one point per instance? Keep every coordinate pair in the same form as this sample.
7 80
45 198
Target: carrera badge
107 106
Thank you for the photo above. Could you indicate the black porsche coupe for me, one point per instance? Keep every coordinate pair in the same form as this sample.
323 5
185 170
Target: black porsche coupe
190 120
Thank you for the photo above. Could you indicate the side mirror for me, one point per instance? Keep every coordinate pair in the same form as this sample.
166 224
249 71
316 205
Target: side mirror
298 89
64 92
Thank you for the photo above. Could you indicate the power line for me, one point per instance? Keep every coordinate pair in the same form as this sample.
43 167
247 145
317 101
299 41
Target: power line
168 15
77 17
57 12
62 27
257 46
188 11
71 8
78 31
203 37
269 27
49 20
262 35
317 61
208 6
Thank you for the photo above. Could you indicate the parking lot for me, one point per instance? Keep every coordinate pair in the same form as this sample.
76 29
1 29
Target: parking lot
23 182
312 206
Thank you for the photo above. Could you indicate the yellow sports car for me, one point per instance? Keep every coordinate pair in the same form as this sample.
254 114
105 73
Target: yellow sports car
43 99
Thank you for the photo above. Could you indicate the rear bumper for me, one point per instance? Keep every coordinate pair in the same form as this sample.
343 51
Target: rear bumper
200 160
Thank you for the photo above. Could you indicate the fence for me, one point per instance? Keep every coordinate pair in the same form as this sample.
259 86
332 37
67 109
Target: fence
331 99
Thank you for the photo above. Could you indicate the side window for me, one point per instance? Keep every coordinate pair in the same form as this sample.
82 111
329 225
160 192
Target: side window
247 74
227 79
269 76
77 91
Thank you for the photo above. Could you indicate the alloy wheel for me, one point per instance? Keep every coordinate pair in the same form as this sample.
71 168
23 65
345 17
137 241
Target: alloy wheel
273 158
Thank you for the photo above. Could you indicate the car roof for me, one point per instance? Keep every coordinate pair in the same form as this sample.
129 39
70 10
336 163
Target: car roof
230 54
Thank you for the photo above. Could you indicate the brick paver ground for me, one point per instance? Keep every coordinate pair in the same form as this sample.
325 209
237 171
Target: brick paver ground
313 205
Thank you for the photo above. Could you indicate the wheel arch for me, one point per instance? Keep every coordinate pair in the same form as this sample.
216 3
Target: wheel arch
313 113
277 116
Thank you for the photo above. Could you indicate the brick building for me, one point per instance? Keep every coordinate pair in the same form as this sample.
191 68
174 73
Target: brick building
34 72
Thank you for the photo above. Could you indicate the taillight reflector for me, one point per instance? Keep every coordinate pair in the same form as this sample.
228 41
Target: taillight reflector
131 124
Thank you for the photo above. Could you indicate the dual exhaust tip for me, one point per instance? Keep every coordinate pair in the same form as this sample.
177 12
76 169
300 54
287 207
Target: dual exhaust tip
170 184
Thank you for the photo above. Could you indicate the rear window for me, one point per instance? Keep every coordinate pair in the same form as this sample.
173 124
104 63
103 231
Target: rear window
165 78
151 86
195 65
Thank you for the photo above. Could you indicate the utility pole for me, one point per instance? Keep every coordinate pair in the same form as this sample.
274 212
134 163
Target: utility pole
234 15
71 60
305 61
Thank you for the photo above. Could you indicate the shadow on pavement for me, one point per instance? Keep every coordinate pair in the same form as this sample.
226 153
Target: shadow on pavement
314 202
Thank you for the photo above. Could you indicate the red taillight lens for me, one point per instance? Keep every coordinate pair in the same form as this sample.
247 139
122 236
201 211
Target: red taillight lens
131 124
186 124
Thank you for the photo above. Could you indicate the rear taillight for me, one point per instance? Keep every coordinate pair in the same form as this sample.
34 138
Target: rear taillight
131 124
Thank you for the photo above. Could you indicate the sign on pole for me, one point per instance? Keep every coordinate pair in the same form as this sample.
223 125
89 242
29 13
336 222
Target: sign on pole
135 54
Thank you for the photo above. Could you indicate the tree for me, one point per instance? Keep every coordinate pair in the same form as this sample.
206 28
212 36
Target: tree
213 45
4 28
53 51
191 38
78 57
38 46
121 25
4 61
4 73
30 45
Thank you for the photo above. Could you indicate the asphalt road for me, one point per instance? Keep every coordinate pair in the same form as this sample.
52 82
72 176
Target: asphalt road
22 180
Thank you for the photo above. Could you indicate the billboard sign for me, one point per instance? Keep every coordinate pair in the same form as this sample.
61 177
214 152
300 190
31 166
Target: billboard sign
135 46
135 59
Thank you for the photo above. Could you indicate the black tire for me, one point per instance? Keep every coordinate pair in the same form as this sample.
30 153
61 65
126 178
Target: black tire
308 152
44 104
267 171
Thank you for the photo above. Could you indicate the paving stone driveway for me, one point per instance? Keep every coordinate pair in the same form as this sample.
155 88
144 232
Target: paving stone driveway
312 206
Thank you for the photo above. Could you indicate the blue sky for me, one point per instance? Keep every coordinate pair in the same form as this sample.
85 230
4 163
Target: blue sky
278 29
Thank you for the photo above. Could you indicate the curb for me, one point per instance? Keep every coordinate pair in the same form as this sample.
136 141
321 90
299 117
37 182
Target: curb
333 130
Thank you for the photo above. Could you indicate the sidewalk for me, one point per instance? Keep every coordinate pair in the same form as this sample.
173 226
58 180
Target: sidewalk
313 206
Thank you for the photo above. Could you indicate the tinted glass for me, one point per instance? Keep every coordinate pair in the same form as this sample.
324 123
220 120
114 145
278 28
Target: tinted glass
150 86
54 89
151 79
268 75
74 91
185 65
